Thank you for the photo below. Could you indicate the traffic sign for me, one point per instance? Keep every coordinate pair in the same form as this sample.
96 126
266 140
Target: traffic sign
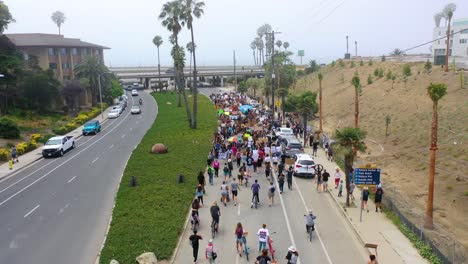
300 53
366 176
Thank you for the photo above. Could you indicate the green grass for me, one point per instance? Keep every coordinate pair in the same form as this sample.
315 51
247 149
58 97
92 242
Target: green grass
150 217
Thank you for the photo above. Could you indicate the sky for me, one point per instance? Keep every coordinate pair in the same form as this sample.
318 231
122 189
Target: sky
319 27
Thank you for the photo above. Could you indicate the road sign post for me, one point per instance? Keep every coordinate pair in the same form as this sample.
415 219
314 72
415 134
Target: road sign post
300 53
366 177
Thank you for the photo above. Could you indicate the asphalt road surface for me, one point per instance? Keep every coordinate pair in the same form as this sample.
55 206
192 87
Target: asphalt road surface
57 210
333 241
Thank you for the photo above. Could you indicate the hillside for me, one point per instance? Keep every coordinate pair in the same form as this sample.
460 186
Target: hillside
404 154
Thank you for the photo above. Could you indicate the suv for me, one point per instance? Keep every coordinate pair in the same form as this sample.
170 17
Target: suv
284 131
134 92
92 126
304 166
291 146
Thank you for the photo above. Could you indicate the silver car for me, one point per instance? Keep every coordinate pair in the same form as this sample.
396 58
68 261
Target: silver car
136 109
114 113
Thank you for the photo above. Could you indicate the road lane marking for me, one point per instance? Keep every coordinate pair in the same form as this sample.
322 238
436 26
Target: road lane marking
111 146
60 165
123 135
316 229
63 208
32 210
28 176
238 209
131 128
95 160
70 180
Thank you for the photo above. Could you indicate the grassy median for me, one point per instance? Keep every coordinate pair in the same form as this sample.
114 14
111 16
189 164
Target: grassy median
150 217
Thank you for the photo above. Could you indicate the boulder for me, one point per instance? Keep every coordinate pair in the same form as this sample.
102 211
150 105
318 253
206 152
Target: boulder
114 262
147 258
159 149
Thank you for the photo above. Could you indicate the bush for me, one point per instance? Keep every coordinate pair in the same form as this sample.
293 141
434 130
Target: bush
428 65
35 137
389 74
376 72
361 63
371 62
4 154
333 63
81 118
341 63
352 64
380 73
406 70
25 147
43 139
8 129
369 79
61 130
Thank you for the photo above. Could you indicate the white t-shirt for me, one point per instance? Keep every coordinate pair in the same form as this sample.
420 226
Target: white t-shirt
263 234
267 150
267 159
255 155
337 175
275 159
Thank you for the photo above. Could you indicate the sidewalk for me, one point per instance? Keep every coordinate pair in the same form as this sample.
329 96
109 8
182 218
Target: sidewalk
35 155
375 228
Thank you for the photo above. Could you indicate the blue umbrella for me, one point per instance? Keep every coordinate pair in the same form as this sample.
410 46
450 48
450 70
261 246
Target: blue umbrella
245 108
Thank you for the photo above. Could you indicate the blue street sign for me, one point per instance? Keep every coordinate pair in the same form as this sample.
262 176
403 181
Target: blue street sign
366 176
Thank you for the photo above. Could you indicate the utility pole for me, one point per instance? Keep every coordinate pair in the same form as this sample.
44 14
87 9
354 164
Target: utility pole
235 73
347 56
100 96
273 71
355 44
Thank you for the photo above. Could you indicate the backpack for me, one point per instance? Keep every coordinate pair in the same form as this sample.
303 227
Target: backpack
262 261
272 190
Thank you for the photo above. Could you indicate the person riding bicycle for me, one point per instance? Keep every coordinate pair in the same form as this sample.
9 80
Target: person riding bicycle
141 101
255 189
310 221
215 214
195 220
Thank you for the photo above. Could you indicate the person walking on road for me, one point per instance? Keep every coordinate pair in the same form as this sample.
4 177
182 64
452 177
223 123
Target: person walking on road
281 183
271 193
194 240
267 170
195 206
289 177
239 232
224 192
315 148
280 168
340 189
14 154
210 252
226 171
263 258
292 255
325 177
211 171
352 186
337 177
263 235
230 167
378 197
365 198
202 180
234 189
255 189
319 179
216 168
372 259
200 194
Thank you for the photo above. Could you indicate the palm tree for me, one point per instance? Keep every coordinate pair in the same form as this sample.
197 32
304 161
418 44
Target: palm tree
279 43
59 18
283 92
92 69
260 50
5 17
320 77
305 104
448 12
346 141
253 46
191 9
157 40
435 91
356 82
285 45
172 18
190 47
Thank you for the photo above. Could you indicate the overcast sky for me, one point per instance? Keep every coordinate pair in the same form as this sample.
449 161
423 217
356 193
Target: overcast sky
317 26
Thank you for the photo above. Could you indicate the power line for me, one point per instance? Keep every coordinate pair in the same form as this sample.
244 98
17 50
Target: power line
333 11
434 40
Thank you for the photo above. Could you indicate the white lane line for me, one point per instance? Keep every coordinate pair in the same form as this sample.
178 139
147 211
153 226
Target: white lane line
63 208
111 146
316 229
95 160
70 180
32 210
123 135
238 209
60 165
131 128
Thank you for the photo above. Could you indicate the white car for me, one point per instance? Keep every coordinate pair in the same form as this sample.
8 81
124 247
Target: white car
118 107
114 113
284 131
134 92
136 109
57 146
304 166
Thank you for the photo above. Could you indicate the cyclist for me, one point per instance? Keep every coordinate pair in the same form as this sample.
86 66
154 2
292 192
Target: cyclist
215 214
141 101
310 221
195 206
255 189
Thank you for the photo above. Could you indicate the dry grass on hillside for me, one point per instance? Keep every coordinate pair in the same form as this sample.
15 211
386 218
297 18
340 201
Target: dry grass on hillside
403 155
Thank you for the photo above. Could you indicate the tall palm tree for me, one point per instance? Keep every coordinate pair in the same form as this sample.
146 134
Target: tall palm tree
356 82
285 45
92 69
448 12
172 18
435 91
253 46
320 78
158 41
346 141
191 9
190 47
260 47
283 92
59 18
305 104
279 44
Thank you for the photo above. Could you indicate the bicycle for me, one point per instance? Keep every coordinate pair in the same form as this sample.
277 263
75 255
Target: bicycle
214 228
195 223
246 178
270 247
310 229
244 245
255 201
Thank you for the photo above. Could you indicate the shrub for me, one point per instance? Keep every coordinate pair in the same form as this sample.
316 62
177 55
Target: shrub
8 129
389 74
352 64
361 63
428 65
381 73
35 137
333 63
81 118
61 130
341 63
369 79
406 70
4 154
43 139
371 62
376 72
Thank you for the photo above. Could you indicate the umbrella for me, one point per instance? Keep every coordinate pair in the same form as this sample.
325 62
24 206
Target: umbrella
220 111
226 113
233 139
247 135
245 108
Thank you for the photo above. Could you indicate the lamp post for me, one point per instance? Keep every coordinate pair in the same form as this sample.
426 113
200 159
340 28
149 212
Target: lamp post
100 92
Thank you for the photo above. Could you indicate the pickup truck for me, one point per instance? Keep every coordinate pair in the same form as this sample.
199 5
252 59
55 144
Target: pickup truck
58 145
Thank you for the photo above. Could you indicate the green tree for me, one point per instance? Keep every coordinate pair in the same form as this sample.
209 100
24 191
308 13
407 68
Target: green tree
370 62
158 41
59 18
369 79
282 93
190 47
397 52
255 84
92 69
356 82
39 89
389 74
347 140
193 9
5 17
320 78
242 87
448 11
285 45
428 66
381 73
279 44
253 46
304 104
435 91
406 70
313 67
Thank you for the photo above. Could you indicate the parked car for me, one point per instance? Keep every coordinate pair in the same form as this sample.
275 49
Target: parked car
291 146
92 126
114 113
118 107
57 146
136 109
304 166
134 92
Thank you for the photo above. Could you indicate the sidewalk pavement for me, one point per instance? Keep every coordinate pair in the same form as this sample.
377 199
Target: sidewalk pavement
26 159
375 228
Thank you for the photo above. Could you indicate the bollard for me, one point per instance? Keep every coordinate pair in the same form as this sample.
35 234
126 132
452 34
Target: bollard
10 164
133 181
181 178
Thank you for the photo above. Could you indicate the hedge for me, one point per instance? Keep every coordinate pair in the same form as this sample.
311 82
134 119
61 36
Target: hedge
79 120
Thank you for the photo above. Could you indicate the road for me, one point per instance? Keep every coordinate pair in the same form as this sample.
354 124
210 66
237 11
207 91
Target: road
57 210
333 241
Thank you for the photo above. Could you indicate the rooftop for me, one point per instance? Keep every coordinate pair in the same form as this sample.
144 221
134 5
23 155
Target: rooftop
48 40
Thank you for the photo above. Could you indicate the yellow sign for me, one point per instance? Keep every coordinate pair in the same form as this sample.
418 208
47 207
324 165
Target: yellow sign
278 103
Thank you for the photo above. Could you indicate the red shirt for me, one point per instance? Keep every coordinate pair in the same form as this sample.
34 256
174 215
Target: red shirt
261 154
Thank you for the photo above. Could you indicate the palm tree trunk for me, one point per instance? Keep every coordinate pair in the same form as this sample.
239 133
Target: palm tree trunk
255 61
348 163
320 105
356 107
159 73
428 223
195 85
448 46
191 72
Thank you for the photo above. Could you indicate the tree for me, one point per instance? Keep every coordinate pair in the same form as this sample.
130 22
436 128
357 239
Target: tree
255 84
242 87
369 79
279 44
190 47
305 105
320 78
428 66
406 70
397 52
285 45
356 82
92 69
435 91
253 46
313 67
59 18
158 41
263 31
347 140
5 17
71 92
282 93
448 11
191 9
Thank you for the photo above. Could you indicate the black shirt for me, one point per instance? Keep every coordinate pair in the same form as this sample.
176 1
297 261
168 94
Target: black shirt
249 161
214 211
325 176
194 239
315 145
